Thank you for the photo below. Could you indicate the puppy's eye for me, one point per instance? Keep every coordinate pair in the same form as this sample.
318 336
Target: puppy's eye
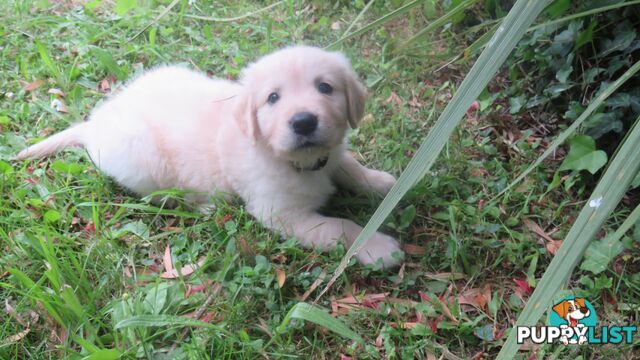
325 88
273 98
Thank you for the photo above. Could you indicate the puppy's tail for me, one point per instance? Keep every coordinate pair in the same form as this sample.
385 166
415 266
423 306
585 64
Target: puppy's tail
64 139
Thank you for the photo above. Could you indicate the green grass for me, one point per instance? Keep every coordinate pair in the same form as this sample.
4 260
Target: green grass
81 258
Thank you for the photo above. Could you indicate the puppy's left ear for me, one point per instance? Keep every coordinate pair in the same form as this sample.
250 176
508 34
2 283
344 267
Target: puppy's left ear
245 114
356 95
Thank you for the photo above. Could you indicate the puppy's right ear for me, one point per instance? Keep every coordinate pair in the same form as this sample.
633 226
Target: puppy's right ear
245 114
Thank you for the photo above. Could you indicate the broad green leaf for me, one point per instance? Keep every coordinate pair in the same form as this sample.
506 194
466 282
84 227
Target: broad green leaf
52 216
604 199
600 253
104 354
558 7
156 298
318 316
586 36
108 62
407 216
46 59
63 167
498 49
583 155
124 6
5 168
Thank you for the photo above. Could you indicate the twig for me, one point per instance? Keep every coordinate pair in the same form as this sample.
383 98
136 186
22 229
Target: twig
235 18
198 314
162 14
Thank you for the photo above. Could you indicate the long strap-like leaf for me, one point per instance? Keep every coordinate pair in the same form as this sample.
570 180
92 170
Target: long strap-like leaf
611 187
504 40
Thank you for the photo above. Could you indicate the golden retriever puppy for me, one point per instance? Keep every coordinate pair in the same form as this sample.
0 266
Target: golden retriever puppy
276 139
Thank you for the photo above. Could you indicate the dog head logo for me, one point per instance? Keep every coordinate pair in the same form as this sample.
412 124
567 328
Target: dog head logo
573 311
572 315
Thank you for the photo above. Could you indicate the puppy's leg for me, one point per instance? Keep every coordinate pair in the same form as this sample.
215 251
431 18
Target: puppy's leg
354 176
322 232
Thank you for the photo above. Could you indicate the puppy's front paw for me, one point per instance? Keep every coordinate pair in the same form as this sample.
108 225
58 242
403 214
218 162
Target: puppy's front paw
380 181
381 246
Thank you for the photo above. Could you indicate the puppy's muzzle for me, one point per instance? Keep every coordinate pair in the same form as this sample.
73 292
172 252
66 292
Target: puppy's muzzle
304 123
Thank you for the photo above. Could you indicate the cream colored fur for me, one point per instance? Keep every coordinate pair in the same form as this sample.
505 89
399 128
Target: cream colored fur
174 127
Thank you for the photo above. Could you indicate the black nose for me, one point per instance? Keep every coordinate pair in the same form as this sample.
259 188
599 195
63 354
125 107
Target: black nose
304 123
584 310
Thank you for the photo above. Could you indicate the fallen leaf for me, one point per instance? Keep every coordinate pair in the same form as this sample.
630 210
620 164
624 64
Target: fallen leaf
281 277
335 25
379 341
411 249
59 106
523 286
535 228
474 107
193 289
15 338
166 260
446 311
394 98
553 246
32 85
56 92
185 271
345 305
474 297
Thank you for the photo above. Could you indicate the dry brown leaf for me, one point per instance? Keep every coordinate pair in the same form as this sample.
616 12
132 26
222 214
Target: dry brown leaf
411 249
104 86
57 92
536 229
476 297
394 98
185 271
17 337
335 25
344 305
32 85
446 311
553 246
281 277
166 260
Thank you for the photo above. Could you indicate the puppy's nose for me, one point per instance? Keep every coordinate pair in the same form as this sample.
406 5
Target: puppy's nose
304 123
584 310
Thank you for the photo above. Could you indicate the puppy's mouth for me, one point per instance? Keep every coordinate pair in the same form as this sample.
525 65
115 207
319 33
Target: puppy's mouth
307 145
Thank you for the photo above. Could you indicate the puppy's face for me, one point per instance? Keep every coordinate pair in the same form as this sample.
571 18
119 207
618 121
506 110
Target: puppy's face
300 102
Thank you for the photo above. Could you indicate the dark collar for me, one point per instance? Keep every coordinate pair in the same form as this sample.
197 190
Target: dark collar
315 167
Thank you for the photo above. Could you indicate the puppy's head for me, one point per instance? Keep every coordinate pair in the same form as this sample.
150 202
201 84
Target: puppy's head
300 102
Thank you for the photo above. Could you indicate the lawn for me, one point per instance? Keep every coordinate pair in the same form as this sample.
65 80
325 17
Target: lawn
86 268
